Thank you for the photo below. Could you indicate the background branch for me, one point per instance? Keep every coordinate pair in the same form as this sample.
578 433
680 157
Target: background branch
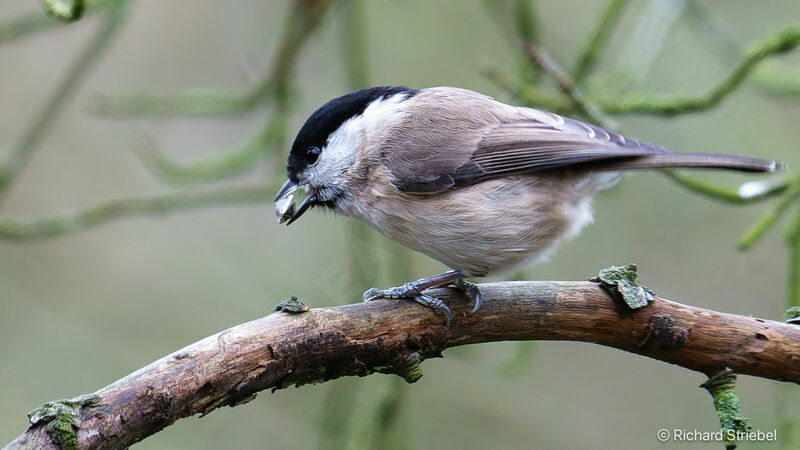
745 194
24 25
389 336
65 10
771 77
780 42
221 164
567 86
301 22
21 152
647 102
598 41
19 230
34 22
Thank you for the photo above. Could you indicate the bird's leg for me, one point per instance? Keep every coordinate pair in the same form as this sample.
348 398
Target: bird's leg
414 290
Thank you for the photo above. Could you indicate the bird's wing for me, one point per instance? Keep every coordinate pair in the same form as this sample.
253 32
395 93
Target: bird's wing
534 146
539 142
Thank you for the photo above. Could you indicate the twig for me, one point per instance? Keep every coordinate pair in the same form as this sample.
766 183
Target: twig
777 79
670 105
598 40
530 95
514 18
771 218
726 403
390 336
772 76
647 102
222 164
565 84
745 194
785 424
301 22
26 24
65 10
19 230
34 22
526 21
793 242
354 43
375 434
33 136
193 102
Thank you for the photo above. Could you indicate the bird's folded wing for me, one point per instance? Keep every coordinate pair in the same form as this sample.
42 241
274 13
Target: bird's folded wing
529 146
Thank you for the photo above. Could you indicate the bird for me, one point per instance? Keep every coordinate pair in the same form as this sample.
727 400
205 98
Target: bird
482 186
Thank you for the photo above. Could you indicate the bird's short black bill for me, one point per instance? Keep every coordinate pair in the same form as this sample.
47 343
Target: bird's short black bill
285 204
288 187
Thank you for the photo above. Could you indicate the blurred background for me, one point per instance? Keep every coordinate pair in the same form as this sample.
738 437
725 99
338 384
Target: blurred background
83 306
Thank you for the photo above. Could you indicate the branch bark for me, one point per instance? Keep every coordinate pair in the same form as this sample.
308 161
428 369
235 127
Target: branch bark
391 336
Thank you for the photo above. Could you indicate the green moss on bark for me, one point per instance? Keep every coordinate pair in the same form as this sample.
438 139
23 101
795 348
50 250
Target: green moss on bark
61 419
623 283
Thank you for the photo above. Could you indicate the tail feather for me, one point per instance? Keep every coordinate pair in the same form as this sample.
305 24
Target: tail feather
690 161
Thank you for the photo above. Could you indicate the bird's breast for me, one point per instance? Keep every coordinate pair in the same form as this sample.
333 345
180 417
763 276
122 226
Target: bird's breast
486 228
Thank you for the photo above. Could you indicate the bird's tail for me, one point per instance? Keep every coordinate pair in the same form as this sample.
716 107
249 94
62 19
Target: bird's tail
690 161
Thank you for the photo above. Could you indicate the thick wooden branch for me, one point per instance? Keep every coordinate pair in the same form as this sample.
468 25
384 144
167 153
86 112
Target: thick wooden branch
391 336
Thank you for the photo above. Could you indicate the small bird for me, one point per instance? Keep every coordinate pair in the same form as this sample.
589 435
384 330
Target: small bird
476 184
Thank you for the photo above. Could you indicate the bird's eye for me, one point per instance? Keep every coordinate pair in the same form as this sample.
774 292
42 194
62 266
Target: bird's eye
312 153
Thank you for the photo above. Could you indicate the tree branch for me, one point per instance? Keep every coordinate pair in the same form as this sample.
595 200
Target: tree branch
34 22
744 194
598 40
567 86
668 105
301 22
391 336
221 164
69 11
67 222
772 77
20 153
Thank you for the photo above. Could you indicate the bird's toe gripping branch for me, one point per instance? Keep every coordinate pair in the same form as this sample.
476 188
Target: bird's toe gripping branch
414 291
472 291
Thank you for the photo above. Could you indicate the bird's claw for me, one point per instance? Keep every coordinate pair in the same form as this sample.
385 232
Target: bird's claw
472 291
436 305
409 291
371 294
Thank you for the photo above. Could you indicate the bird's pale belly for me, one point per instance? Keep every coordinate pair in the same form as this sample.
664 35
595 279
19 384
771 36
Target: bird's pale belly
487 228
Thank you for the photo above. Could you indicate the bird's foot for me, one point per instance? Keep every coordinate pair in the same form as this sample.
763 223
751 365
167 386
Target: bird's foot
414 291
410 291
472 291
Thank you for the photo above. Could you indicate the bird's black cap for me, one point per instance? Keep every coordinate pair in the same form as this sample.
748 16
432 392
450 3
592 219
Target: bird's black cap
329 117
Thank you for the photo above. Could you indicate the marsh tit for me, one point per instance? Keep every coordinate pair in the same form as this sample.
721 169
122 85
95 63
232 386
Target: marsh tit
479 185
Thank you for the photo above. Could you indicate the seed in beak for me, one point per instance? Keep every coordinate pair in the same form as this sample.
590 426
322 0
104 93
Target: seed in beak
284 208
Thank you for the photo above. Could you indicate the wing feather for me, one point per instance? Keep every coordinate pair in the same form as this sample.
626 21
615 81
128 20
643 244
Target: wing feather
492 140
532 146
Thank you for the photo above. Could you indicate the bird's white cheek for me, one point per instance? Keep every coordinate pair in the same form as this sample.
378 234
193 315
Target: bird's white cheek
329 171
338 156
